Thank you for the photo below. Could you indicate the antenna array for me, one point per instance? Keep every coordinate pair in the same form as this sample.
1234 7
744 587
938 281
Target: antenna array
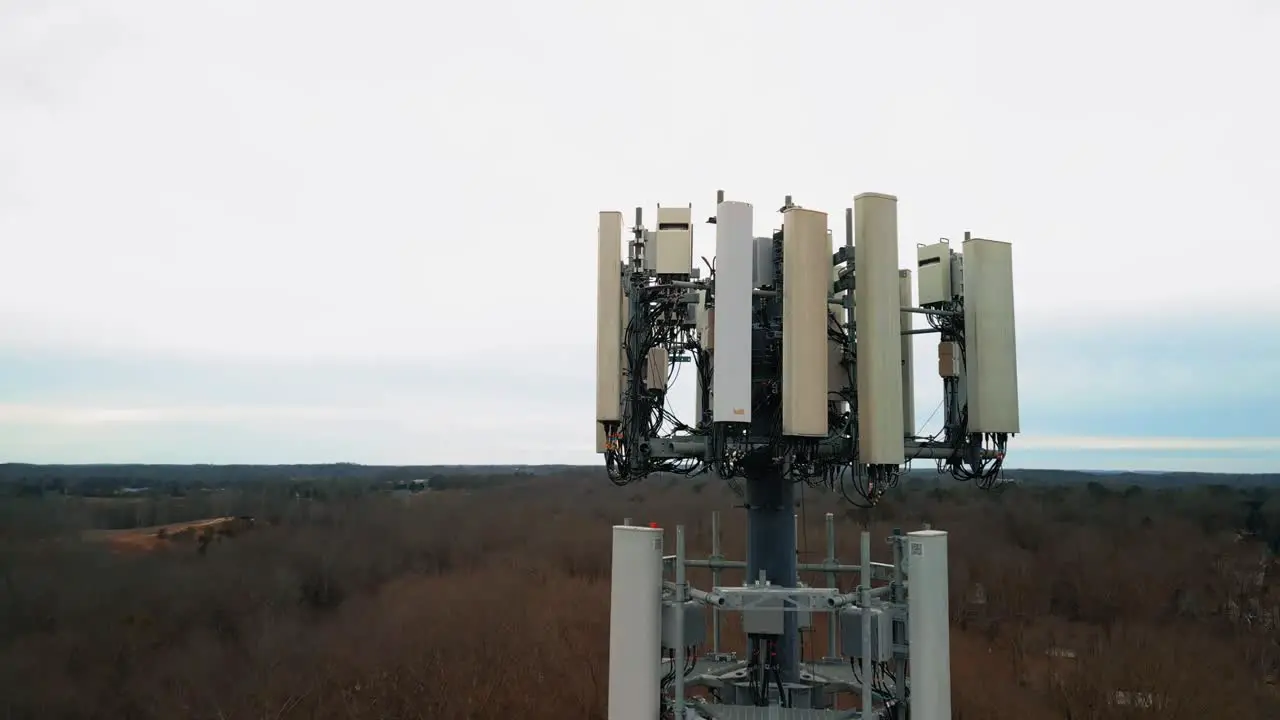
802 355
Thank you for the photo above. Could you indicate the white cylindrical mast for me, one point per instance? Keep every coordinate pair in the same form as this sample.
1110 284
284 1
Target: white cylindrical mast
635 623
928 622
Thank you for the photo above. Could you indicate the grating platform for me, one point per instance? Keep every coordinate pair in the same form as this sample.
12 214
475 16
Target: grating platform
739 712
724 672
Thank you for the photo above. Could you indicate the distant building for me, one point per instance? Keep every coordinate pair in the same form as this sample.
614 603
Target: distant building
407 488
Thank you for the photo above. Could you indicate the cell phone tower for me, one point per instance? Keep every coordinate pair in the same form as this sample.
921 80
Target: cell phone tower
803 360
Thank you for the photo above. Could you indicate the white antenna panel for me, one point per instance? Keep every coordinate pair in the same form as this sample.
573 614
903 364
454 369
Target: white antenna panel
929 632
734 277
991 361
878 316
635 623
609 319
672 245
934 264
672 252
675 216
806 284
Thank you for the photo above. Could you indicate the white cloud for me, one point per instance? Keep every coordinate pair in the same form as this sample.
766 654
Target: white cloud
1161 444
451 415
41 415
434 433
316 180
428 419
216 178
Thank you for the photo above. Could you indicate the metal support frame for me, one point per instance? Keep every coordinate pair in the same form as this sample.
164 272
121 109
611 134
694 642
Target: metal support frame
696 446
641 295
881 586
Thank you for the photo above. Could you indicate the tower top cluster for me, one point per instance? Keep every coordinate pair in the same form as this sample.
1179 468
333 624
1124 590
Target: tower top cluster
802 351
802 348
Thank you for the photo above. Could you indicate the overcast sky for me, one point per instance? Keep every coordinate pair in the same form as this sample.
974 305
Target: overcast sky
286 231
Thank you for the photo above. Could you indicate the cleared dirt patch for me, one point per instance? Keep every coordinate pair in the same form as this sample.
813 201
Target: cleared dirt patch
196 532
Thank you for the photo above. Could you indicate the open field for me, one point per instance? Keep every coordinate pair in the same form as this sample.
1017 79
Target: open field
492 601
147 539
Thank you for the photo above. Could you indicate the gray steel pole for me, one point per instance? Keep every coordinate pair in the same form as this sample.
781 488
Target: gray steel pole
864 601
715 580
771 551
681 593
900 662
831 583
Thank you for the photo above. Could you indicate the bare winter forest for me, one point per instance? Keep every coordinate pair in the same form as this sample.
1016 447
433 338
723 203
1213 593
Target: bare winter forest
487 596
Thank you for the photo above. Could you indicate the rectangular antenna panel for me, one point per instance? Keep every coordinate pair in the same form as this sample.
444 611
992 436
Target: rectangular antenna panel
672 252
673 217
806 283
735 254
929 631
934 263
908 357
635 624
672 245
763 265
878 317
991 361
837 375
657 369
609 318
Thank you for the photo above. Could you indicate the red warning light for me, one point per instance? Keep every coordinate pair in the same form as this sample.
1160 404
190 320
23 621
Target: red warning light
653 525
